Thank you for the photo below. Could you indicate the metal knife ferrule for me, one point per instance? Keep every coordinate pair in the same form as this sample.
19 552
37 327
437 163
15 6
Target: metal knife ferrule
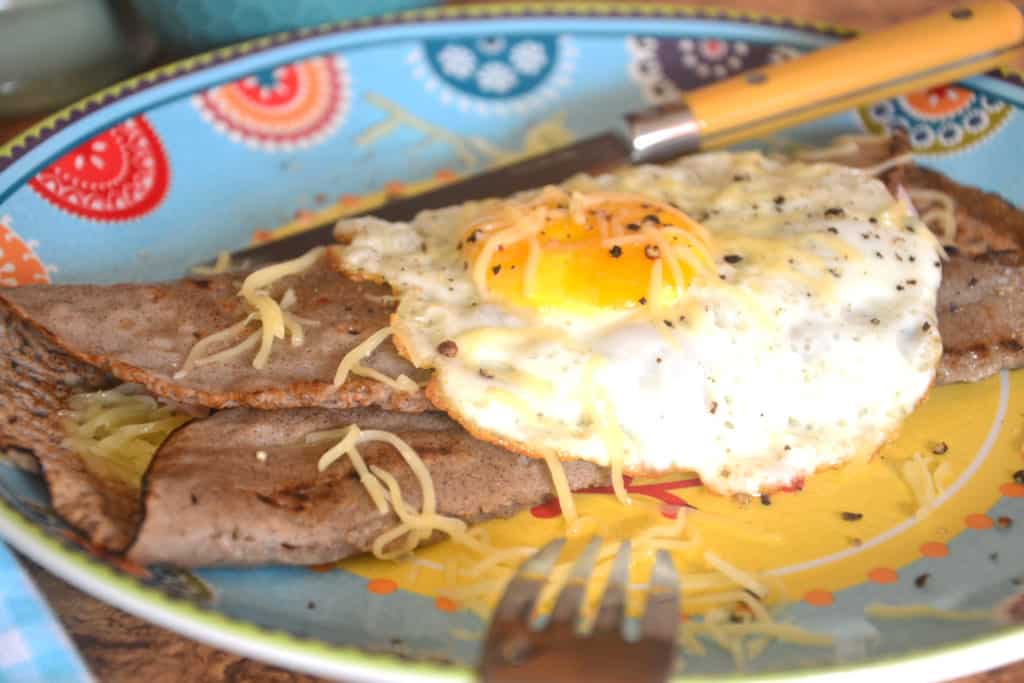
662 132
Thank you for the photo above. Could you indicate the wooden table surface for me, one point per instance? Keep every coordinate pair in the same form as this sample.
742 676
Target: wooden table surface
119 647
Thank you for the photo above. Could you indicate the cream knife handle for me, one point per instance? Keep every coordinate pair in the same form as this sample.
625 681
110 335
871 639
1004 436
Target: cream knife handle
935 49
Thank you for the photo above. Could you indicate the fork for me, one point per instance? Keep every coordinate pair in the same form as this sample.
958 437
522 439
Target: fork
561 648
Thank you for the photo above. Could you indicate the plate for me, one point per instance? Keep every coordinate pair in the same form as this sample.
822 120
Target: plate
151 175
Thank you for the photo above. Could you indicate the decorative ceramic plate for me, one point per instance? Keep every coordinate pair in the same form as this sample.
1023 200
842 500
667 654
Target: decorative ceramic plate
211 153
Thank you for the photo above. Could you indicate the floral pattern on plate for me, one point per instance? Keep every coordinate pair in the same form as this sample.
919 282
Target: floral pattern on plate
455 102
495 74
119 175
19 264
666 67
946 118
284 108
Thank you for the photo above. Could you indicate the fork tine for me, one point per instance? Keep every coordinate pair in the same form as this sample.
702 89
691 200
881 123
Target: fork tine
661 618
568 606
514 652
521 592
611 613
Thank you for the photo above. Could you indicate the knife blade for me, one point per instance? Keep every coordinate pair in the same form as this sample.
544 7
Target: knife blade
903 58
596 153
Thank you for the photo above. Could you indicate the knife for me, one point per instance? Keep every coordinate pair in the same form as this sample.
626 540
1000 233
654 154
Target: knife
937 48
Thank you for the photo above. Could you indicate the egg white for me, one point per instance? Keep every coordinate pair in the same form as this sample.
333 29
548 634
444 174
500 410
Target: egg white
806 351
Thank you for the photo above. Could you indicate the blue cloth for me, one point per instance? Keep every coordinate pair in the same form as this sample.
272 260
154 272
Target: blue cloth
33 645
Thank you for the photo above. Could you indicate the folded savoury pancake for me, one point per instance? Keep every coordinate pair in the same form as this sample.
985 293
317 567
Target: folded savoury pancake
981 317
981 300
142 333
242 486
983 221
36 381
209 499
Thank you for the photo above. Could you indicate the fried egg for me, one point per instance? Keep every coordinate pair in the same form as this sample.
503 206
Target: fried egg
747 318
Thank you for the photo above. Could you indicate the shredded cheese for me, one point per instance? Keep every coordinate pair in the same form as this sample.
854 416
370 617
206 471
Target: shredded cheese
561 483
665 248
890 163
499 557
525 228
198 352
594 199
842 146
787 633
244 346
737 620
654 286
882 611
417 527
697 582
941 216
347 447
414 527
269 312
259 280
664 531
943 475
532 265
612 437
275 322
221 265
515 223
713 622
925 196
575 526
919 479
351 364
599 408
731 597
938 210
722 590
756 646
412 459
117 431
689 642
742 578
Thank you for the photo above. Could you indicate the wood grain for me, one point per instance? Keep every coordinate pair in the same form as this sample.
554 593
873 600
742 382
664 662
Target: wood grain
121 648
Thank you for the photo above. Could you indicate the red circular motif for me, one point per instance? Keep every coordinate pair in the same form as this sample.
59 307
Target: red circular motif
713 48
283 90
939 102
119 175
19 264
290 106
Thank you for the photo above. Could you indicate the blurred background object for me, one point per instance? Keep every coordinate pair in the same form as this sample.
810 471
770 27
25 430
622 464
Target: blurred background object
53 52
193 25
120 647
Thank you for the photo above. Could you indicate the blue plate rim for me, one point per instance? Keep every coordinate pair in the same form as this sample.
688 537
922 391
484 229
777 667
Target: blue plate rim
25 534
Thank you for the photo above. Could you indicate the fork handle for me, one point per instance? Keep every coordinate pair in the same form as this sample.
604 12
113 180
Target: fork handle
558 655
934 49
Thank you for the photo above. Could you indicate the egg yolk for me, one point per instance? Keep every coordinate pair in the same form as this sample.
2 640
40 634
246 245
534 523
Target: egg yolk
586 252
